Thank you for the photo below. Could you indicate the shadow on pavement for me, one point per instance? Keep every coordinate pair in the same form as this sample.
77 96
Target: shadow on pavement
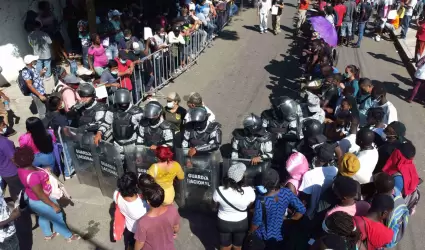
255 28
284 72
203 226
402 79
394 89
386 58
229 35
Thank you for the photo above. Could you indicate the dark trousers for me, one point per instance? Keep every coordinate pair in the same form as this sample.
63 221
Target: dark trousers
15 186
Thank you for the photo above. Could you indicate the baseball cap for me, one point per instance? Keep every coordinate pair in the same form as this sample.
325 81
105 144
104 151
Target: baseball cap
173 96
313 102
71 79
193 97
176 28
28 59
191 6
325 152
236 172
115 13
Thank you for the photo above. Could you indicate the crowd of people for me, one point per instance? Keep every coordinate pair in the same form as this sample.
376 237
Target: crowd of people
332 170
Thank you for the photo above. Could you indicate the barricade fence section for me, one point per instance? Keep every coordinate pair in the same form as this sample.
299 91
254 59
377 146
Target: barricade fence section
159 68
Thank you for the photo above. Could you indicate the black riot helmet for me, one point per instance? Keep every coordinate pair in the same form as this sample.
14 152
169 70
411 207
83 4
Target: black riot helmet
152 112
86 90
311 128
198 118
122 98
252 124
285 108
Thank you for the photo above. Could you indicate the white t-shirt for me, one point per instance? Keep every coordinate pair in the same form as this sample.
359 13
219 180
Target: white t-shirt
132 211
390 112
348 144
240 201
314 182
368 160
411 6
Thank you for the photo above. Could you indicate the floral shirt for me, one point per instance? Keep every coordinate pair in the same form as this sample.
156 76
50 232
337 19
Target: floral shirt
37 82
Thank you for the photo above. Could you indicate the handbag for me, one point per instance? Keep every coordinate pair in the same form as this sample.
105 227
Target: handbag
119 221
228 203
252 241
58 189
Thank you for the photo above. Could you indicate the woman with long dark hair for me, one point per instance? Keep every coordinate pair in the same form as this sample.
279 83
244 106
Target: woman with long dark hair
233 200
165 171
40 140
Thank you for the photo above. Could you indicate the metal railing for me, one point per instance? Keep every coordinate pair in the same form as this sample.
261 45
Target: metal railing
159 68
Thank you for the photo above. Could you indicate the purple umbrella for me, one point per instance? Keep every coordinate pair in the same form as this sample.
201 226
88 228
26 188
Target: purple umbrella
325 29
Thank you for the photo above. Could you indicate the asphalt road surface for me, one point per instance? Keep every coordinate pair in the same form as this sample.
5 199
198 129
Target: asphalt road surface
237 76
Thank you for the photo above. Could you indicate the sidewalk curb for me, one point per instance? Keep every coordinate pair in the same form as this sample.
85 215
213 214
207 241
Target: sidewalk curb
405 54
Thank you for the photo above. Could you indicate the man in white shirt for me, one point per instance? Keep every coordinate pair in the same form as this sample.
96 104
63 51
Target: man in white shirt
316 181
368 155
194 100
379 99
409 6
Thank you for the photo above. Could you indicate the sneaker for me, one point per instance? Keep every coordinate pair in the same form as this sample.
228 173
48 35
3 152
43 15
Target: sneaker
261 32
265 31
377 38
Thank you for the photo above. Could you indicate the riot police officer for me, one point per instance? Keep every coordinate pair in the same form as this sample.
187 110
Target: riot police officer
154 130
284 119
313 136
92 113
201 135
124 118
253 142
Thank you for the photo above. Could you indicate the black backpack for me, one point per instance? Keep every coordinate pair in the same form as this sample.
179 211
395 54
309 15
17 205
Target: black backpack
21 82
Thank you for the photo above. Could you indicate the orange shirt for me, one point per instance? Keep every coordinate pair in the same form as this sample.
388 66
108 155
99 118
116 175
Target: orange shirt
396 22
304 5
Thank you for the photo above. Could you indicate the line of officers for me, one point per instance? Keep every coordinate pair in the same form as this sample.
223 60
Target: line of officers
287 126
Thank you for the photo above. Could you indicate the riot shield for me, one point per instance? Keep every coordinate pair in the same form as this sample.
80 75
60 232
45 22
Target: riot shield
252 171
201 180
80 146
139 158
109 167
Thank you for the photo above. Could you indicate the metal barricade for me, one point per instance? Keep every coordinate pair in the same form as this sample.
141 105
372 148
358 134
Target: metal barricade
159 68
202 177
252 171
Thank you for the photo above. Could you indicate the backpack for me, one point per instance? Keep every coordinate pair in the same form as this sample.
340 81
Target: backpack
22 84
398 221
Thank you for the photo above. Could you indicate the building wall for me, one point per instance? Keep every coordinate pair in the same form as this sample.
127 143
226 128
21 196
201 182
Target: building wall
13 37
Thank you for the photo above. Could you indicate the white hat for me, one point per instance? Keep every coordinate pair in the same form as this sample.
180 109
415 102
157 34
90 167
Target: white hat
28 59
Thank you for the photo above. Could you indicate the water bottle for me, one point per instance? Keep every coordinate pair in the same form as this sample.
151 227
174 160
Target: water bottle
6 105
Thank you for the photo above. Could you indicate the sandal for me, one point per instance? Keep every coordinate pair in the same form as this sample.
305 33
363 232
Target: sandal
73 238
54 234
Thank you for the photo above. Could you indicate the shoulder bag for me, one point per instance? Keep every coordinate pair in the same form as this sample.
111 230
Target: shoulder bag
119 221
228 203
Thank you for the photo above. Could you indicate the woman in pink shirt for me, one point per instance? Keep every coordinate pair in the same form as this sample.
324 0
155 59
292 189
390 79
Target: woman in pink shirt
37 191
40 141
97 55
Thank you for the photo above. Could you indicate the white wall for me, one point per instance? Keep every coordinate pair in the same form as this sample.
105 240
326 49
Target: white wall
13 37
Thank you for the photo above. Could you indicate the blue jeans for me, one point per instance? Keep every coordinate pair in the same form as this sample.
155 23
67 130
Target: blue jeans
44 160
85 56
405 25
41 63
47 214
112 51
346 26
67 161
362 26
211 28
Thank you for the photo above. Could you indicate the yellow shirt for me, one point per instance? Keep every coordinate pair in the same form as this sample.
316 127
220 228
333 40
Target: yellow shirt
165 176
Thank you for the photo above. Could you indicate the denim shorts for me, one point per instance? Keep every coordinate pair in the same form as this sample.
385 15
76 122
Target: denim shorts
346 26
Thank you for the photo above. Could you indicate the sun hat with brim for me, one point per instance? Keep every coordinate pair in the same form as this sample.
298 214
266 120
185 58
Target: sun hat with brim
71 79
236 172
28 59
173 96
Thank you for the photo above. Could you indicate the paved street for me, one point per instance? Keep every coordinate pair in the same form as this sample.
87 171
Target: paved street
237 76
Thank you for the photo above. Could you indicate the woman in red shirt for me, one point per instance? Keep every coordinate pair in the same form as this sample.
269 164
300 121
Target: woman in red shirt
371 226
125 70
